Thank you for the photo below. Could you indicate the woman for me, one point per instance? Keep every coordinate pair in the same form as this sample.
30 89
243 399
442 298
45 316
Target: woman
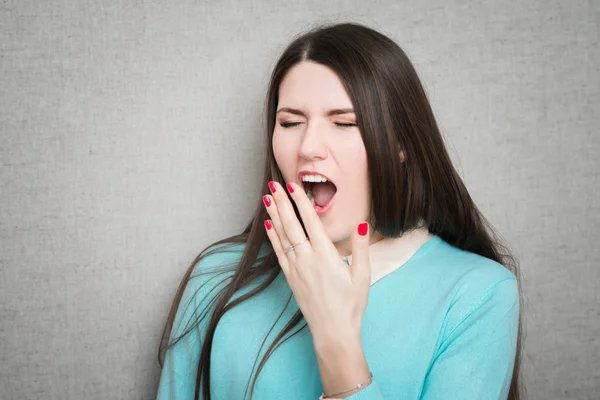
362 206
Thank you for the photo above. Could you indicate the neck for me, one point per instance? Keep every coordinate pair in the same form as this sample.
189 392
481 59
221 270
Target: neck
344 247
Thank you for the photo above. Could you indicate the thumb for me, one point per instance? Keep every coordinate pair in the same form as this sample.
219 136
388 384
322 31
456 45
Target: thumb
361 265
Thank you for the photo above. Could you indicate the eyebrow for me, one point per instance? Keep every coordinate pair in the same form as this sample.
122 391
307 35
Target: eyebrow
336 111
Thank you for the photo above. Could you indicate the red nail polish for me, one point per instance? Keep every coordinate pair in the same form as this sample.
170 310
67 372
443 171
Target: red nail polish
363 227
268 224
290 187
272 186
266 200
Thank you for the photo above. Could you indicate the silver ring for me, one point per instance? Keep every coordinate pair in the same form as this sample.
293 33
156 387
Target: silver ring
291 248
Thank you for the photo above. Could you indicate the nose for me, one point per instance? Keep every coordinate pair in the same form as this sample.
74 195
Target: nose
313 144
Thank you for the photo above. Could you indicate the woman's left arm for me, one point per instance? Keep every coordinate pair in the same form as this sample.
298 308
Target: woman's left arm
342 364
331 294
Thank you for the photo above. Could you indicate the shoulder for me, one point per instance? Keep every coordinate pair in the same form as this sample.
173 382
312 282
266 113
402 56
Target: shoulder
475 285
467 272
210 274
215 268
218 258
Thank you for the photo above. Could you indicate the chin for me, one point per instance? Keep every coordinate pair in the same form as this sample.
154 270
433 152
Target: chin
336 234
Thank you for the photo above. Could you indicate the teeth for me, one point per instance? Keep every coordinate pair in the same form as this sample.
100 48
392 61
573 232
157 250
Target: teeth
314 178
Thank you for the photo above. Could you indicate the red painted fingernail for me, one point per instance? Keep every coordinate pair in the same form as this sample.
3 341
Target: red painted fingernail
363 227
290 187
266 200
272 186
268 224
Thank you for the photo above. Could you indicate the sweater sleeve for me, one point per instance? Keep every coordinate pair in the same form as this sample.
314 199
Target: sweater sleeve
178 375
475 356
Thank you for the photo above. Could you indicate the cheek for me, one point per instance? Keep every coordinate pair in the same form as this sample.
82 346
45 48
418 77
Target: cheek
362 186
358 178
355 160
285 155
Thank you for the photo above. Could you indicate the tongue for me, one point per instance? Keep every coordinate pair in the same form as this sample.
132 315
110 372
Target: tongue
323 193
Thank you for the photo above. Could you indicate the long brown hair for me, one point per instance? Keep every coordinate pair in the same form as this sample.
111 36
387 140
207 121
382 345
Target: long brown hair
393 115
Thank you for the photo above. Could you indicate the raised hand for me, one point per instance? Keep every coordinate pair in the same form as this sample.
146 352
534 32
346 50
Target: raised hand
331 295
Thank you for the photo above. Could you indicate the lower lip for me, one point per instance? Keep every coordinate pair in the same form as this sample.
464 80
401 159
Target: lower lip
322 210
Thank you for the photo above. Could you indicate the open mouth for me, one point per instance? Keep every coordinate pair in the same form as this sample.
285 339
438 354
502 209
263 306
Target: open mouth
319 190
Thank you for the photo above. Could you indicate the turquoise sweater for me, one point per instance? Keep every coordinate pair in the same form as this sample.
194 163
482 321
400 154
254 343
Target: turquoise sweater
442 326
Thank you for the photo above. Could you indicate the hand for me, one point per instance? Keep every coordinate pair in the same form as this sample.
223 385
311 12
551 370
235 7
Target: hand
331 295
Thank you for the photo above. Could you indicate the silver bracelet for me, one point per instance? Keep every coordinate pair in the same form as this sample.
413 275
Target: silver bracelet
358 387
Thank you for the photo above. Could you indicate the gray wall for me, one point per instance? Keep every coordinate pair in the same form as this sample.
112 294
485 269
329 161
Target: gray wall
132 138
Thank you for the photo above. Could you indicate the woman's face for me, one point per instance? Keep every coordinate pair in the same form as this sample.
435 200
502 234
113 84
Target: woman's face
317 141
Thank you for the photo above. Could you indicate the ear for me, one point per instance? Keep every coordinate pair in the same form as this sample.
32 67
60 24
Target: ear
402 156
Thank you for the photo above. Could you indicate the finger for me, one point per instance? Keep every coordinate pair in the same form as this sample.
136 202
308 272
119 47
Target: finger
284 242
289 221
311 220
360 268
276 243
273 212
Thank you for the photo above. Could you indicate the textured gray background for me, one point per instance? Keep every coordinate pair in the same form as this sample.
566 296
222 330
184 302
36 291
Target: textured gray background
132 138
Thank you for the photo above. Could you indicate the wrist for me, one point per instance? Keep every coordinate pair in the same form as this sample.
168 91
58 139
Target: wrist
337 344
342 364
336 347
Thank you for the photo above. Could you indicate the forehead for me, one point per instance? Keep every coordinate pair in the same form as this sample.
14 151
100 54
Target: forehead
313 86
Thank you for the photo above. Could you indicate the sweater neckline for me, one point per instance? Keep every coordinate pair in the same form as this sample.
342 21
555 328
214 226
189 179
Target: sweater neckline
392 254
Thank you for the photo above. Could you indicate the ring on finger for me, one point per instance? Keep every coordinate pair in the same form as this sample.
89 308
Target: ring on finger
291 248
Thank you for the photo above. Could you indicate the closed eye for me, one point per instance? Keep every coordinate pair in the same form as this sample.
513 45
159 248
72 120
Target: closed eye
344 124
292 124
289 124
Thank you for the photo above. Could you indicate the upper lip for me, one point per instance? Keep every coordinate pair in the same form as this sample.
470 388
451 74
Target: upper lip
307 172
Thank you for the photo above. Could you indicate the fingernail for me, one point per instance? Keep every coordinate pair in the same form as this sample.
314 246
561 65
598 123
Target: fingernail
272 186
363 227
266 200
290 188
268 224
